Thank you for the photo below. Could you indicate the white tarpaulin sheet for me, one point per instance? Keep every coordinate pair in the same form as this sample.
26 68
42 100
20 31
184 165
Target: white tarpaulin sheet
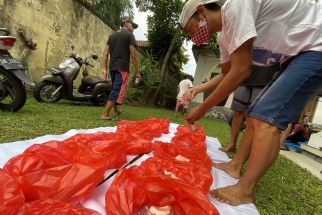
96 200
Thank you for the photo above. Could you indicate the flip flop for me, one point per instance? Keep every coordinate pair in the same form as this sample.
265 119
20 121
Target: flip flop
117 114
106 118
285 149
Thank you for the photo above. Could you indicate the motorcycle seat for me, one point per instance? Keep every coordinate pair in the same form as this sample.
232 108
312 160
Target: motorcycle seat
54 71
93 80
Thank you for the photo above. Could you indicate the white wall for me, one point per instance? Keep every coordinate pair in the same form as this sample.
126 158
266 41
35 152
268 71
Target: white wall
317 118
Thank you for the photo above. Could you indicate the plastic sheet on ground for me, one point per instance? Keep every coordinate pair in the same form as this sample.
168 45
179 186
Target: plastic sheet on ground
96 200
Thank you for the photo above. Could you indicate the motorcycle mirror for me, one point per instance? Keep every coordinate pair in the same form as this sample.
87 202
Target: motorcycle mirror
5 32
72 47
94 56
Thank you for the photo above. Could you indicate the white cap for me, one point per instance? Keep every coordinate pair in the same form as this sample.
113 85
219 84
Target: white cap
190 7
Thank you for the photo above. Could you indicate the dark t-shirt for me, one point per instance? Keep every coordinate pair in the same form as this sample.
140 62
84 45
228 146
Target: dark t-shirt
119 43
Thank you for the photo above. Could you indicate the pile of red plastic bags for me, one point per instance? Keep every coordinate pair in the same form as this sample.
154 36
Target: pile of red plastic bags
55 176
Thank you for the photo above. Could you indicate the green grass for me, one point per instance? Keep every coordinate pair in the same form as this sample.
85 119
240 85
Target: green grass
285 189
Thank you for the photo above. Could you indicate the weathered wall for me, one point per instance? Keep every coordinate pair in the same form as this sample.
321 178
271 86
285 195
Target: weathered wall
54 25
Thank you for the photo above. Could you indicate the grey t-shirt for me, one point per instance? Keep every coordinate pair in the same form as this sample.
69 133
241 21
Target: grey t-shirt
119 43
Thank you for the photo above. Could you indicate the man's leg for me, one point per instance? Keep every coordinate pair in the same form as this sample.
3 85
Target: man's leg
184 109
238 120
234 166
106 113
116 77
264 151
178 105
116 110
300 82
284 135
176 110
239 105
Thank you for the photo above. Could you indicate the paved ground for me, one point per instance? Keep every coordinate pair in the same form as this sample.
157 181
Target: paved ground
306 161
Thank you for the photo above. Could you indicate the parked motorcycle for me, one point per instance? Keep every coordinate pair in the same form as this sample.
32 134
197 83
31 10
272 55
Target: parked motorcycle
59 83
12 76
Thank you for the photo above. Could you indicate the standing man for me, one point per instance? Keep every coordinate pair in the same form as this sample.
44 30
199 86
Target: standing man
183 87
120 46
244 96
264 32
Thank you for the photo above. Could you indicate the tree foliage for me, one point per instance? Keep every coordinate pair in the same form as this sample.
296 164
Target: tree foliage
139 94
110 11
162 30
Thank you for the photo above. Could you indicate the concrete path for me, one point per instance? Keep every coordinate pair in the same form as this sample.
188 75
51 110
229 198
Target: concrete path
305 160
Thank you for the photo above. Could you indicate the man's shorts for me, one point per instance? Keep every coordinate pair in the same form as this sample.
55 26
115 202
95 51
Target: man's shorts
119 80
243 97
284 98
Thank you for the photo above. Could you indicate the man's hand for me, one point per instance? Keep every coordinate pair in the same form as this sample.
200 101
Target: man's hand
138 75
195 114
104 74
193 91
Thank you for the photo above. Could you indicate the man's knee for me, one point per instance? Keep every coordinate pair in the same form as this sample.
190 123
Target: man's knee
259 125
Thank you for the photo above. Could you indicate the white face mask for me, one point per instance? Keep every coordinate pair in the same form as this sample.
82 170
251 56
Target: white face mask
201 36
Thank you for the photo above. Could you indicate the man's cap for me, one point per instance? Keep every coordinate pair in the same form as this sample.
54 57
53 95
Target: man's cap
128 19
190 7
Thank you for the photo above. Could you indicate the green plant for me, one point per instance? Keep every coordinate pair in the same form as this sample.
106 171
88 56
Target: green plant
140 94
110 11
214 44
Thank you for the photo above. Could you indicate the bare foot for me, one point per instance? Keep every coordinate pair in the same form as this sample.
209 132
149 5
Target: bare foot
229 148
233 195
230 168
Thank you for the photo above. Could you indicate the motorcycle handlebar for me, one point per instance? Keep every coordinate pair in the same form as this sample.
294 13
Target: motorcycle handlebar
78 58
89 65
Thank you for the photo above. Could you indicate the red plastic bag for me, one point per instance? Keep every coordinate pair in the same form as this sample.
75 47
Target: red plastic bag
138 134
144 129
169 151
66 170
192 173
90 139
70 183
138 146
52 207
11 197
198 134
190 144
136 188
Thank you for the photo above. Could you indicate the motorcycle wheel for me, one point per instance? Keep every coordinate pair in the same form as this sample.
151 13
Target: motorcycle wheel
43 92
100 99
12 92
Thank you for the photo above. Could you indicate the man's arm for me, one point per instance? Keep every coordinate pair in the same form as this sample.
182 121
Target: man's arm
240 69
106 52
134 60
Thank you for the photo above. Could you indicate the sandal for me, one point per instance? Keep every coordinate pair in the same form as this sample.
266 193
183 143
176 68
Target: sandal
118 113
285 149
106 118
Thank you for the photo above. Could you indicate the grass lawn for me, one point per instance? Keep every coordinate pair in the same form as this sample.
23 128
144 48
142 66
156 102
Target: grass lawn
285 189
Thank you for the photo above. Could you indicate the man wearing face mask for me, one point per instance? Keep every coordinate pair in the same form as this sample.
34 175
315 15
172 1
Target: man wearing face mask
261 32
120 46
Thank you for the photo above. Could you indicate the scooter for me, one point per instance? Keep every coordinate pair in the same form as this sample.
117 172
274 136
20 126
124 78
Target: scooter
12 76
59 83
